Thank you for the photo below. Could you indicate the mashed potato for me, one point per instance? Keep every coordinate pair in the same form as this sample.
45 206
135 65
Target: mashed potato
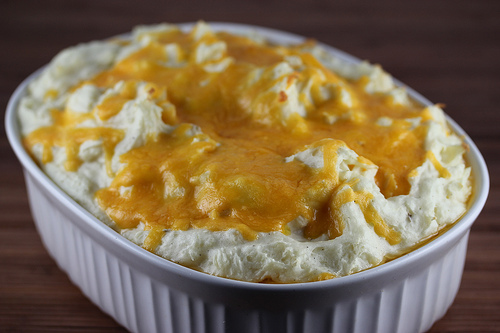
243 159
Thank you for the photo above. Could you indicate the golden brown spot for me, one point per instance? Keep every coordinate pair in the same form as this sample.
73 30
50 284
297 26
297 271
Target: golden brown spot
282 97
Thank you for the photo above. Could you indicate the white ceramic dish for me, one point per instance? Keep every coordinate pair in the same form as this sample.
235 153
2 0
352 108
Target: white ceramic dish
146 293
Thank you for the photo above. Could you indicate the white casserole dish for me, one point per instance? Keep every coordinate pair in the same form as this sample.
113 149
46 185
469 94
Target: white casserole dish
146 293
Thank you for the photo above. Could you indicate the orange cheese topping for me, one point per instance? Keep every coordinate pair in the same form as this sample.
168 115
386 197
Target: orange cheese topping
234 174
64 133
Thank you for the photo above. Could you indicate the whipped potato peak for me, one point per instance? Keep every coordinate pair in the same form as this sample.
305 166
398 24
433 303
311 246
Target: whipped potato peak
245 159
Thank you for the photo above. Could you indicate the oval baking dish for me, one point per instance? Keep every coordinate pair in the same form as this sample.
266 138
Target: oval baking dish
146 293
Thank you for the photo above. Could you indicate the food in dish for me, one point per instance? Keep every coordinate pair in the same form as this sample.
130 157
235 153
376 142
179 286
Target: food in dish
244 159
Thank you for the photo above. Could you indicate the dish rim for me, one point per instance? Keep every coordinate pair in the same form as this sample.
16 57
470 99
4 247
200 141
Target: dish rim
92 224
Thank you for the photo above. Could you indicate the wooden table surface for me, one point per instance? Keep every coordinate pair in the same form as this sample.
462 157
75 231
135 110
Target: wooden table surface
447 50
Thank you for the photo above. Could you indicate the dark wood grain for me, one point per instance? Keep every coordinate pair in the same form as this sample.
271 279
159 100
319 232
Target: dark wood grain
447 50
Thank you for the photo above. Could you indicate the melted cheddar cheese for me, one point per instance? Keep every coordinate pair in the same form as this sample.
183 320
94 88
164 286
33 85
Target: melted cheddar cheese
237 118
